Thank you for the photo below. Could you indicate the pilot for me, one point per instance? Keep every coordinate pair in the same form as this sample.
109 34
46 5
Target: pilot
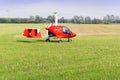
66 31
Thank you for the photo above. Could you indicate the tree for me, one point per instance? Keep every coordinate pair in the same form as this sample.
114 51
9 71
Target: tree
88 20
111 19
96 21
38 19
15 20
24 20
4 20
105 20
117 19
81 18
62 20
76 19
31 19
50 18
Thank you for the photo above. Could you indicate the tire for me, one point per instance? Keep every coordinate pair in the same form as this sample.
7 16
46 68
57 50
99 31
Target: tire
47 40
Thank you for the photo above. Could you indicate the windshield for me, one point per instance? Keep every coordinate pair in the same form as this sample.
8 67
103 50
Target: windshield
66 30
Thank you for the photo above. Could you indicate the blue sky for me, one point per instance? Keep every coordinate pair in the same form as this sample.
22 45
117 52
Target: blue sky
65 8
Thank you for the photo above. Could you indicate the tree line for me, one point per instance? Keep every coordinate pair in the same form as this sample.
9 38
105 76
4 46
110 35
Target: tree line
108 19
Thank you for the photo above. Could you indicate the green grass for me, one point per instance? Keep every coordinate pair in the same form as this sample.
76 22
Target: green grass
86 58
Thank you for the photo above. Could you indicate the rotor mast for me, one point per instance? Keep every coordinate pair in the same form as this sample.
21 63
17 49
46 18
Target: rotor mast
55 18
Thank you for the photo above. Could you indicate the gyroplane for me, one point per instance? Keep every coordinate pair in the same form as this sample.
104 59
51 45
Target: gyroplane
53 31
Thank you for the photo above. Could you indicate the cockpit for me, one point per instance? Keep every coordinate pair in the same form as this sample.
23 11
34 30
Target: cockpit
66 30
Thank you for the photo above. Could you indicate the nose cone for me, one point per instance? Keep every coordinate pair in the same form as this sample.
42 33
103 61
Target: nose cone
73 35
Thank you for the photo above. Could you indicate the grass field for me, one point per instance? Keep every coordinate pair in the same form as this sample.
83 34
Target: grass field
93 55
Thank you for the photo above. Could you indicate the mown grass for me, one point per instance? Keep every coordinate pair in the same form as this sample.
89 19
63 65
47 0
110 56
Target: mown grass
86 58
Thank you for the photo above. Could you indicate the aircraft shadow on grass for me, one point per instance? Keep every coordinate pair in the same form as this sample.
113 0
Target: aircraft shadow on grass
37 41
28 41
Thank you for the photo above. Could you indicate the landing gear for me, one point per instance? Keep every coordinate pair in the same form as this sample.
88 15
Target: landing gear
69 40
47 40
59 41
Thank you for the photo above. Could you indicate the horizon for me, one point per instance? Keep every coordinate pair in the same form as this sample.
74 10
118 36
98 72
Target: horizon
65 8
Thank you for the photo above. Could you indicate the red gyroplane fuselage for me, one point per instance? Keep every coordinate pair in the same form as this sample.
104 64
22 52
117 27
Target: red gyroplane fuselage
60 32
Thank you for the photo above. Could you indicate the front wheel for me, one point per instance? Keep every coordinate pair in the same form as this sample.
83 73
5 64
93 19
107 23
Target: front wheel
47 40
69 40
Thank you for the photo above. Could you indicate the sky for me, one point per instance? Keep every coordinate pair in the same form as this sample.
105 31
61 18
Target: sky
65 8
